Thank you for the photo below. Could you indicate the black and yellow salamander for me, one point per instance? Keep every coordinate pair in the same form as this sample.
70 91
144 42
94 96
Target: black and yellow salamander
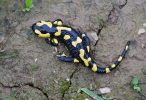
76 42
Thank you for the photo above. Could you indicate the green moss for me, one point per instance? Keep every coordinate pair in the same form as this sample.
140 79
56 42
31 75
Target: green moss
63 89
3 2
46 90
64 86
80 97
122 88
15 95
34 68
126 97
102 37
54 2
49 89
72 89
68 97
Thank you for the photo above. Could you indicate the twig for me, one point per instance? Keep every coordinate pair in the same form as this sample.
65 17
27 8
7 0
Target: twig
10 35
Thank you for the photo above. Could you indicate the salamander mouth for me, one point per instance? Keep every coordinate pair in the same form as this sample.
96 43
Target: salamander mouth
33 26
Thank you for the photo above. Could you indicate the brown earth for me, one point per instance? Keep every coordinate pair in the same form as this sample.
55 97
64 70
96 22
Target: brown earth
35 73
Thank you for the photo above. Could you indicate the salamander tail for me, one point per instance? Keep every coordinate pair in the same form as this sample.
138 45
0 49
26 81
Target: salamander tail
114 65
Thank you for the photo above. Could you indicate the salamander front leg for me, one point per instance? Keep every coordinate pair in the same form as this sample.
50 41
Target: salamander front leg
53 42
63 57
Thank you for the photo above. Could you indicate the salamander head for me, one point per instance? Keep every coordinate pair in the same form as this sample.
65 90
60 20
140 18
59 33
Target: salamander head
43 29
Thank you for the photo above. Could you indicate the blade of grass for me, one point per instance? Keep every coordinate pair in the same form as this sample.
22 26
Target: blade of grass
143 94
90 93
100 21
8 56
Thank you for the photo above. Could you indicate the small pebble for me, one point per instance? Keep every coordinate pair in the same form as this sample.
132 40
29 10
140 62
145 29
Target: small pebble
143 45
14 24
2 50
105 90
56 49
68 79
91 86
54 72
144 24
92 36
142 30
35 59
55 81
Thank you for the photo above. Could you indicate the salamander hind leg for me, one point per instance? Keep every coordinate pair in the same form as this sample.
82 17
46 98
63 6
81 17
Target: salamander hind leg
86 40
63 57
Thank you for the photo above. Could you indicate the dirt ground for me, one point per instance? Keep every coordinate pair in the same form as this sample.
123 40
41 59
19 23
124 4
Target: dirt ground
33 72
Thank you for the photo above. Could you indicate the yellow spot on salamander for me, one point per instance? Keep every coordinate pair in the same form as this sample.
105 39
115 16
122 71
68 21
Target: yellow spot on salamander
44 23
37 32
83 35
86 61
74 43
42 35
82 52
47 23
55 22
58 33
59 23
94 68
113 65
66 37
76 60
107 70
39 24
126 47
82 57
120 58
88 48
60 28
79 40
89 59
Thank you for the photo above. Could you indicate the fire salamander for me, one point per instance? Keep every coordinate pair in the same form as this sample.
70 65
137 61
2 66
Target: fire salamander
76 42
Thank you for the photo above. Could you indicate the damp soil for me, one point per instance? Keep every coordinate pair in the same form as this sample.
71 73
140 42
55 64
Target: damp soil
30 69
